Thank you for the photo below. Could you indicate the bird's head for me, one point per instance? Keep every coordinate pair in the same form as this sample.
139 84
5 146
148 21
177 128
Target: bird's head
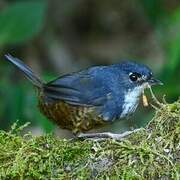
134 79
138 75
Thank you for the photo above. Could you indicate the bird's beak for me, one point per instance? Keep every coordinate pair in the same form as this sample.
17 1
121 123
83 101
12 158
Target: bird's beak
153 82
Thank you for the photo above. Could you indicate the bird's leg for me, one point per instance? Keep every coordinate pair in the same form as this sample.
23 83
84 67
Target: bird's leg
105 135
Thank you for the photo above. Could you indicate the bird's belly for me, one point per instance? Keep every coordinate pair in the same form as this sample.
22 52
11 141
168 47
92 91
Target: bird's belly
75 118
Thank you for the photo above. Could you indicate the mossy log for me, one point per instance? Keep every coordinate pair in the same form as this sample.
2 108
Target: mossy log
151 153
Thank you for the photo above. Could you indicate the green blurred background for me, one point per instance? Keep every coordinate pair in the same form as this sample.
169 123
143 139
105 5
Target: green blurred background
61 36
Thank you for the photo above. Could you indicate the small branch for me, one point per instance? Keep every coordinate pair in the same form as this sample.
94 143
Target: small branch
154 98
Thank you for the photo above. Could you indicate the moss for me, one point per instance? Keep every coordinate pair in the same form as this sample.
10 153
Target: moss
151 153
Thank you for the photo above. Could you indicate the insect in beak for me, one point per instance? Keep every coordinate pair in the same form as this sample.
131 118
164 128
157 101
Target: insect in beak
145 100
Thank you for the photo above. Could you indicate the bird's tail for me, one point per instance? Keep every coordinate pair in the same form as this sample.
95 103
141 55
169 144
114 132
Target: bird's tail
36 81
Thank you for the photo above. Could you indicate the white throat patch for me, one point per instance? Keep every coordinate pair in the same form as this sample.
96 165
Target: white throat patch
131 101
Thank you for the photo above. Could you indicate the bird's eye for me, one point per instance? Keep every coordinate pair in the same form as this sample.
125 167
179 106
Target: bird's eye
134 76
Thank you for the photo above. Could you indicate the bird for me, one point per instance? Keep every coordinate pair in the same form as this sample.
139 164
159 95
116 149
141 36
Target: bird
92 97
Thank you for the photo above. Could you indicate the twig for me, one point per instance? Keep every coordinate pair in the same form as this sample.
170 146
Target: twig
154 97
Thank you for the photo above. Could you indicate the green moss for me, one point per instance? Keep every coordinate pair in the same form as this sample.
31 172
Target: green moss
151 153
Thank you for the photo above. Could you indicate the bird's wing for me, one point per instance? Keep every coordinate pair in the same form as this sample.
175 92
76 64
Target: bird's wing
77 89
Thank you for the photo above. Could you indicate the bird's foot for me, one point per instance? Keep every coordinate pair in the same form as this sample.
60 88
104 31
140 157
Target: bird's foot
106 135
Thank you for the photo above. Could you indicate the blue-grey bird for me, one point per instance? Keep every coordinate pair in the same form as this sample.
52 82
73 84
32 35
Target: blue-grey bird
92 97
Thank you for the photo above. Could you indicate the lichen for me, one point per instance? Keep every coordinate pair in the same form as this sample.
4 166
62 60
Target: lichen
151 153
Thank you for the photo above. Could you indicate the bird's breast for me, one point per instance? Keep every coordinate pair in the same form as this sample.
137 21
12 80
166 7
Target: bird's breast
131 101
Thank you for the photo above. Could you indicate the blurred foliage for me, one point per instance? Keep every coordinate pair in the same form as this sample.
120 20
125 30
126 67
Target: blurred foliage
167 25
65 36
18 100
21 21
